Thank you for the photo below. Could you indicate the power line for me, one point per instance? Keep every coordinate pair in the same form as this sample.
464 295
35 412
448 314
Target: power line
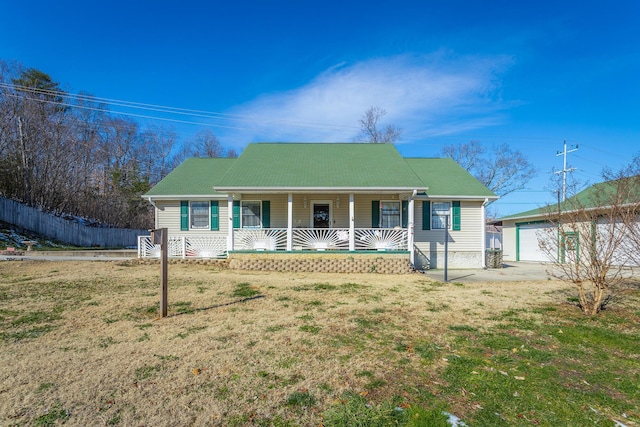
166 109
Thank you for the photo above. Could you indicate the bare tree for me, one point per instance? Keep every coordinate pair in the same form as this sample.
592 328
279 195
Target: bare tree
205 144
628 191
370 130
502 170
157 154
68 154
591 243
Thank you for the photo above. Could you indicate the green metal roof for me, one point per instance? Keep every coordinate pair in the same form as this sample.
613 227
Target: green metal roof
194 177
445 177
622 191
328 166
312 165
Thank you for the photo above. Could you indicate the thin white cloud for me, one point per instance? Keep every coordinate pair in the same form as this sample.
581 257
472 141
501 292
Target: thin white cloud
424 95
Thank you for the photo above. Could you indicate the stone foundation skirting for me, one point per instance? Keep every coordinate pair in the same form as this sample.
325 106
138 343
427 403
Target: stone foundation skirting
387 263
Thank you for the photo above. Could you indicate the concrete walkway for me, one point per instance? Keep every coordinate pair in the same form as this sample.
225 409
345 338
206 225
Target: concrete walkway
511 272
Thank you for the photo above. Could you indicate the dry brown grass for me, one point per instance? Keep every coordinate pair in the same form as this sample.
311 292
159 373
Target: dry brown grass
81 341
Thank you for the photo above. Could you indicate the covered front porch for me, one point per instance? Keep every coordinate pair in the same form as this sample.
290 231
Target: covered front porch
338 239
305 222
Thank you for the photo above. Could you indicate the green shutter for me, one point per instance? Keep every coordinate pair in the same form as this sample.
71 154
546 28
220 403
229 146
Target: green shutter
184 215
404 219
236 214
455 214
375 214
426 215
215 216
266 214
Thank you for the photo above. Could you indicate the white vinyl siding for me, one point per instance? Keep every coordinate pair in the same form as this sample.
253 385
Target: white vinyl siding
468 238
168 216
466 246
508 242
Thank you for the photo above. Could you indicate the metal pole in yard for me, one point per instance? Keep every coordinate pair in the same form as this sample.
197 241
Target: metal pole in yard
446 247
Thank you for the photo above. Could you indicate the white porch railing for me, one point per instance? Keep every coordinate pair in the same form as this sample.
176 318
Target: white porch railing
320 239
185 246
381 239
274 239
262 239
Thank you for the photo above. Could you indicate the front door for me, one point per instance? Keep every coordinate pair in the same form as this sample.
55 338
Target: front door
321 215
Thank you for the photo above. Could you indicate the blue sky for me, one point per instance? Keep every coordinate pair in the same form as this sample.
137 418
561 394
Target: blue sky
529 74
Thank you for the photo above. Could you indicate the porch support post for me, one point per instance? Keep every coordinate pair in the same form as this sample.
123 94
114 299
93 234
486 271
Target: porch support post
290 222
410 229
230 224
352 227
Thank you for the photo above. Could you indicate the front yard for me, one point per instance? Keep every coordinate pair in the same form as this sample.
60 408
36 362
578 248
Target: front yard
81 344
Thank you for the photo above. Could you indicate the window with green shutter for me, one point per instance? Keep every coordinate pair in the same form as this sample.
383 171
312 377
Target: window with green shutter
440 215
251 213
199 215
215 215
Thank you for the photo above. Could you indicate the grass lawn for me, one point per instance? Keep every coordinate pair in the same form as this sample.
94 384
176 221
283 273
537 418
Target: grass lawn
81 344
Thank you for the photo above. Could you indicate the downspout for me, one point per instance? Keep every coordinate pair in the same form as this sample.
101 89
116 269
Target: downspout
155 211
484 233
150 200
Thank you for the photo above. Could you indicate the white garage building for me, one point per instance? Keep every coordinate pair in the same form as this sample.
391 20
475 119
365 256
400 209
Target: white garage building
600 233
521 237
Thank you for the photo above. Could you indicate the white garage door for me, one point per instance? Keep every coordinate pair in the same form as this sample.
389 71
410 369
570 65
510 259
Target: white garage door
529 248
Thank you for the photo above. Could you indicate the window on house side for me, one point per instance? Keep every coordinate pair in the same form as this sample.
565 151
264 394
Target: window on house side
199 215
439 210
251 214
390 214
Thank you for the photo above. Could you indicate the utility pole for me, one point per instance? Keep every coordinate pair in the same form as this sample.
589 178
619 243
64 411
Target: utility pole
564 168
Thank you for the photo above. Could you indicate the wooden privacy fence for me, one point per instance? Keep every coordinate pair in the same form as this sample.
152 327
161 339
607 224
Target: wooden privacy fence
60 229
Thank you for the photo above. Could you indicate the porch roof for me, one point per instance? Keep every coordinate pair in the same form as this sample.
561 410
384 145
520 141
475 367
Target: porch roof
308 166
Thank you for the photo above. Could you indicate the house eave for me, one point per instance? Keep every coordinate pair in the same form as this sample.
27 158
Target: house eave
315 190
455 197
185 197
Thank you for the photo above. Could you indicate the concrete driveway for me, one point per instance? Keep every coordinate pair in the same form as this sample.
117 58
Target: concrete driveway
511 272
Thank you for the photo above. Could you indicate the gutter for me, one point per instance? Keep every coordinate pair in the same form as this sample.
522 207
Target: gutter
314 189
